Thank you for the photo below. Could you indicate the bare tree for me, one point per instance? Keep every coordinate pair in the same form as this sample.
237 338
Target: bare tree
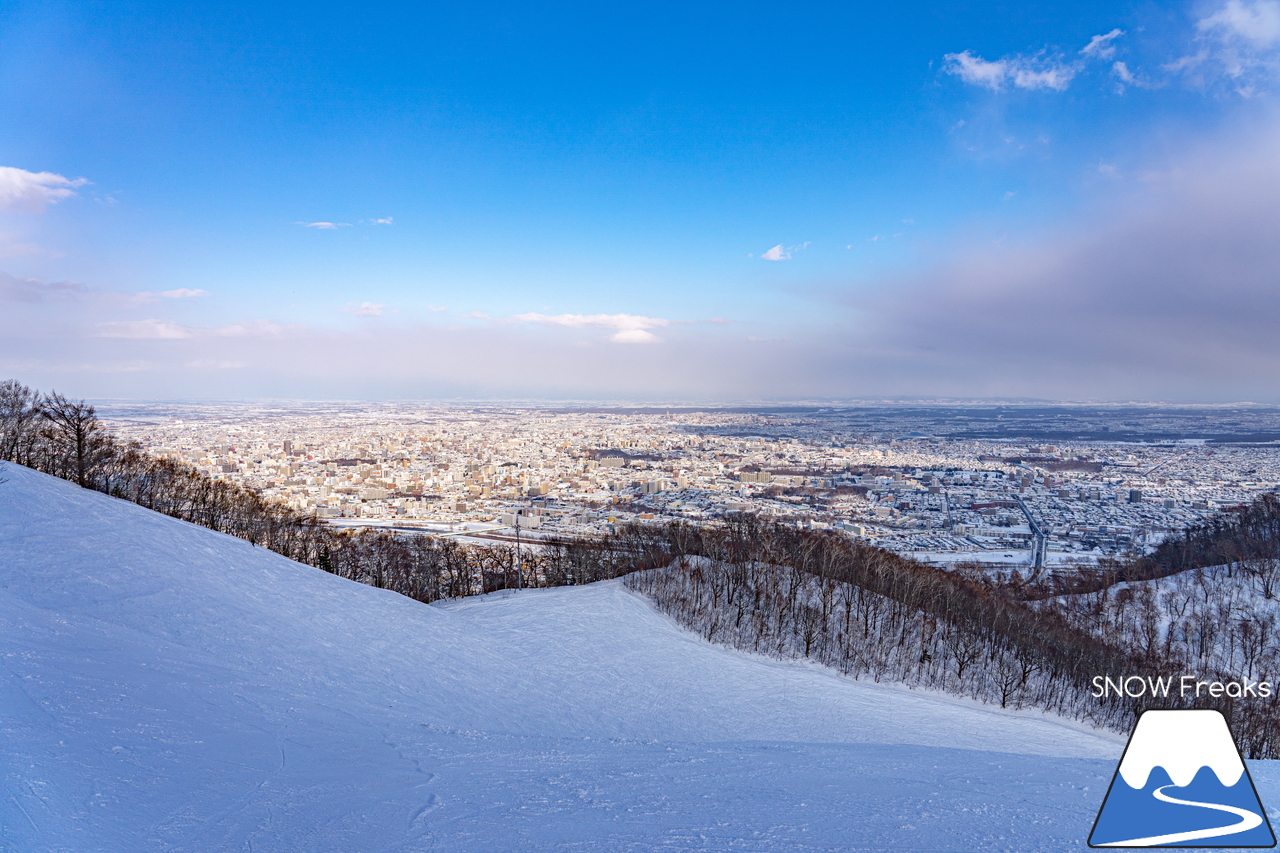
19 422
75 436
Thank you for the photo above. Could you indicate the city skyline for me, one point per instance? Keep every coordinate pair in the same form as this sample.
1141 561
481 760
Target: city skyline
1006 486
719 204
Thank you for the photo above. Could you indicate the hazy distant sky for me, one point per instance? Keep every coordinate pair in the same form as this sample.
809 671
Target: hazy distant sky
641 201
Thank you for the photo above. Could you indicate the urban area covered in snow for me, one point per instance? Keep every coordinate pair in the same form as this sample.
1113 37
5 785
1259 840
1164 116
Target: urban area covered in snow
1003 485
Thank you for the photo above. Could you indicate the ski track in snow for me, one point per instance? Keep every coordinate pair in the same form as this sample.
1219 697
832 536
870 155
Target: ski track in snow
1248 820
165 688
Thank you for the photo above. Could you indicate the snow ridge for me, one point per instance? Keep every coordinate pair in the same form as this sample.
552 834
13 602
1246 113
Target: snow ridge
168 688
1181 742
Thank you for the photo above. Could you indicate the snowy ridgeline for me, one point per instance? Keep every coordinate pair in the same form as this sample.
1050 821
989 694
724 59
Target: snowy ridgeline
168 688
992 652
1217 625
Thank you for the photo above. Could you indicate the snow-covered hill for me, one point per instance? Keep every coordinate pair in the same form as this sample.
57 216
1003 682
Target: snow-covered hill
167 688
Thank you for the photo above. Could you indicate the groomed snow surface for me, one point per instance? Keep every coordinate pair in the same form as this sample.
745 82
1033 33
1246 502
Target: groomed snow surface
167 688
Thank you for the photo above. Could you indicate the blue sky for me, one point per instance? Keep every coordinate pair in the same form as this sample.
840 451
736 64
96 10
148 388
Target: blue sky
662 202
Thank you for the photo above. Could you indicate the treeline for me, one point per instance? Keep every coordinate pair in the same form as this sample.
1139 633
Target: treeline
65 438
869 613
1221 619
1215 623
1247 532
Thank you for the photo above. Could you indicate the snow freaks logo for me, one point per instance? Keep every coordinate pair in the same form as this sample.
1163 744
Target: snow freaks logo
1181 783
1136 686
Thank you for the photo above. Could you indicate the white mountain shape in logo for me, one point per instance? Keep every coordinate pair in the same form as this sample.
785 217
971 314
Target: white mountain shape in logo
1181 783
1181 742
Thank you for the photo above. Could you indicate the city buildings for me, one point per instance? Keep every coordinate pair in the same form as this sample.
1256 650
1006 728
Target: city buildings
869 472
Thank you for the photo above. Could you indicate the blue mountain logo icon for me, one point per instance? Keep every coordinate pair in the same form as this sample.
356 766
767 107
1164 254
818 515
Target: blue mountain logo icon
1182 783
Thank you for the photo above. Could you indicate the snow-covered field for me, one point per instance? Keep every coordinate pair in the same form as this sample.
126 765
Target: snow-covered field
166 688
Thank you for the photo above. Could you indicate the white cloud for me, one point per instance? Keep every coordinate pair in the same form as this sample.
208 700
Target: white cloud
216 363
783 253
147 329
1102 47
1019 71
1125 75
325 226
1243 40
386 221
1055 77
146 296
621 322
630 328
34 290
635 336
169 330
249 329
365 309
978 71
1257 23
30 192
1185 63
437 308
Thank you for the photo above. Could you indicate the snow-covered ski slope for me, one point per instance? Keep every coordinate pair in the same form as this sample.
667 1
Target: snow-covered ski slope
166 688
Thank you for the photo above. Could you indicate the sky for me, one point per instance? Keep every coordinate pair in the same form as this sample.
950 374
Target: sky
732 202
